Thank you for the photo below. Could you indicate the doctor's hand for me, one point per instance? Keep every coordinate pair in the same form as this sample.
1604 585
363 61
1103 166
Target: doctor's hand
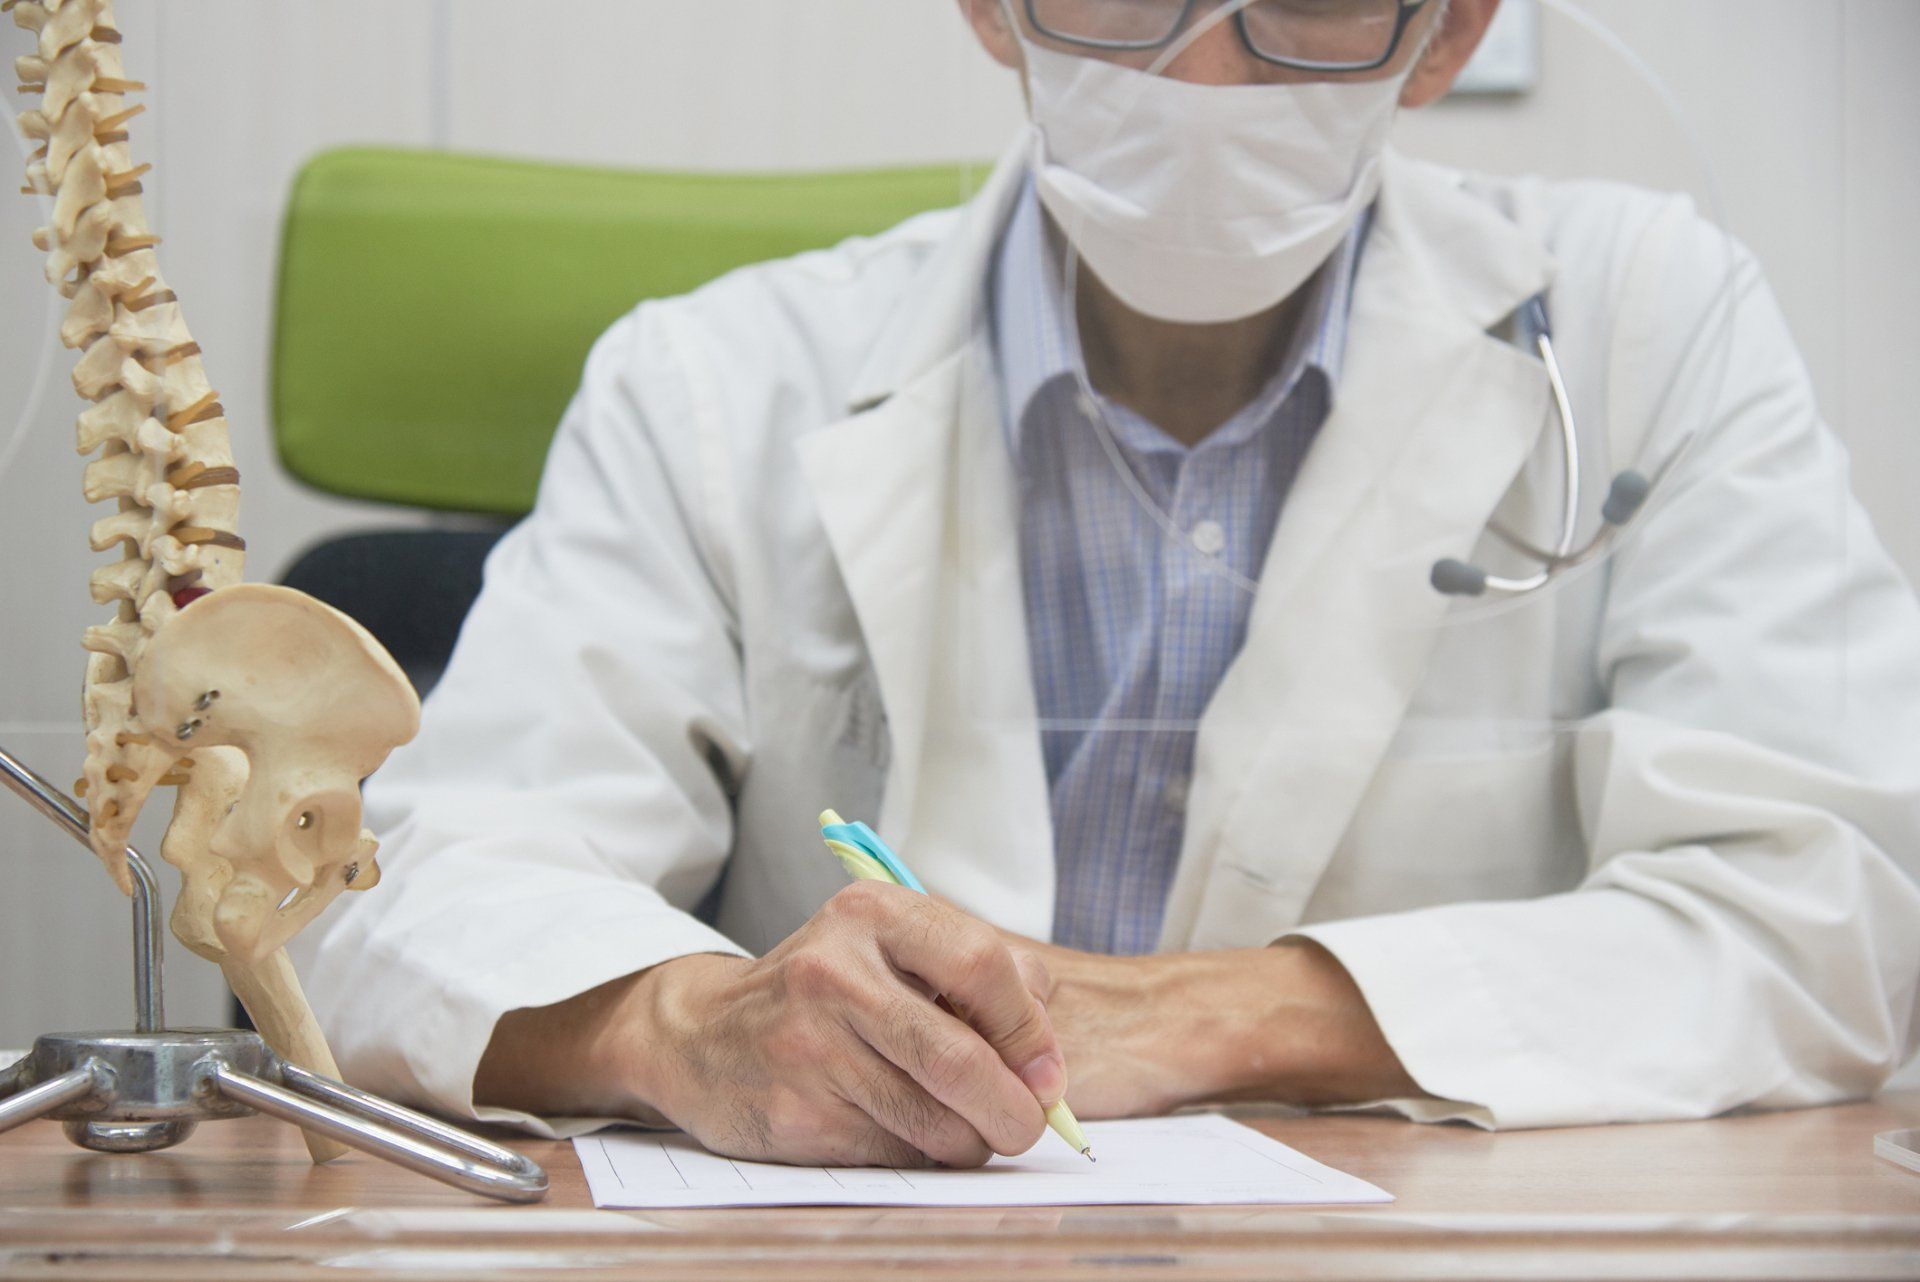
1283 1023
830 1049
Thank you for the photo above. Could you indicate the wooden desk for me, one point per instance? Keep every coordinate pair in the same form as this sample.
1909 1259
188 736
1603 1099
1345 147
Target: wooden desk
1789 1195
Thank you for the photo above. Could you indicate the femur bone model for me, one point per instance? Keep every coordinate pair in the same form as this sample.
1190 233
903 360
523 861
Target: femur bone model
264 707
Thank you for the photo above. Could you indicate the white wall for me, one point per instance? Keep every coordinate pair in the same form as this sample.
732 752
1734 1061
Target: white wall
1809 108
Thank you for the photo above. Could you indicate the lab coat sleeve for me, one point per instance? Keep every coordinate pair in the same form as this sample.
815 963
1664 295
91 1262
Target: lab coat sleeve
566 803
1749 929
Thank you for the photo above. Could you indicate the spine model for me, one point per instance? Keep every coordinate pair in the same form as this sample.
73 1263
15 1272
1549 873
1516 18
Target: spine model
155 427
286 703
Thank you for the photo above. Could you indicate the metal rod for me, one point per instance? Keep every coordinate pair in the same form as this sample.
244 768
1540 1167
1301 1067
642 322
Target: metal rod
38 1101
43 796
149 983
348 1099
525 1182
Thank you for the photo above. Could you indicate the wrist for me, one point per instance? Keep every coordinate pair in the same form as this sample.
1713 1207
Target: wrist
1312 1039
1141 1033
1216 1012
654 1054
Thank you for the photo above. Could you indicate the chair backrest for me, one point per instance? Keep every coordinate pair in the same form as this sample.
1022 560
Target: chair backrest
434 310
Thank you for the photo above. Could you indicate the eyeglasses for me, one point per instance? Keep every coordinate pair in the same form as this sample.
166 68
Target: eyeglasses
1306 35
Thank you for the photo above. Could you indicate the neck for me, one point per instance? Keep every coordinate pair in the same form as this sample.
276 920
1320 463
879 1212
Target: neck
1186 380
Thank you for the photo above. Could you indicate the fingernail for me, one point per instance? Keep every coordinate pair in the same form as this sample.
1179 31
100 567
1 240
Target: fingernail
1046 1077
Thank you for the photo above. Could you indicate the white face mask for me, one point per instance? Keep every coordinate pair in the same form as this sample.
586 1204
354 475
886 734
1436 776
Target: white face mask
1203 203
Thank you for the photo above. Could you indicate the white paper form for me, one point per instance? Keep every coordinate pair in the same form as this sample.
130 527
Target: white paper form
1189 1161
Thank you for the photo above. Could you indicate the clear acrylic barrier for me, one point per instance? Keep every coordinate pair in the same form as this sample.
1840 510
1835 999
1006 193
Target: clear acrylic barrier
1469 706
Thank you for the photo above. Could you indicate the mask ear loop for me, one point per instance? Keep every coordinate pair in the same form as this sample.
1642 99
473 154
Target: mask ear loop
1722 312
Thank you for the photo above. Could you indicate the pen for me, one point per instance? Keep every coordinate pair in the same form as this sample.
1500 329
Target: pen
867 858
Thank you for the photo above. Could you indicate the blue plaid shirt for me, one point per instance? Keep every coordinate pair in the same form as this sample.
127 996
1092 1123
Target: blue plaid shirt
1130 628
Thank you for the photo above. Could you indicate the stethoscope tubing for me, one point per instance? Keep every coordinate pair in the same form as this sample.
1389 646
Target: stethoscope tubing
1625 498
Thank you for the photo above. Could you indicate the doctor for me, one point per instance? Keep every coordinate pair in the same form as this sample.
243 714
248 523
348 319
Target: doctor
848 530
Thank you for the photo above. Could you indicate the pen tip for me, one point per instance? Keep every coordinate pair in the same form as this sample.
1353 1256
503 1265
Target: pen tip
1088 1154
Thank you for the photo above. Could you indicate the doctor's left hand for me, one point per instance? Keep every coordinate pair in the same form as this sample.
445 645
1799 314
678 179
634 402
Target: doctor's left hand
1149 1034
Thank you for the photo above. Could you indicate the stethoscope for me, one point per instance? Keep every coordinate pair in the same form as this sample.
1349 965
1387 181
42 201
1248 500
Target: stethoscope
1625 497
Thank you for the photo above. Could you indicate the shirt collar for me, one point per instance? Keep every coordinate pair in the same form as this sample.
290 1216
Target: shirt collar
1037 341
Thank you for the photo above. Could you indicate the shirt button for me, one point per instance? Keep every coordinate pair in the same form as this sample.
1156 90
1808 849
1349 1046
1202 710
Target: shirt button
1174 794
1209 538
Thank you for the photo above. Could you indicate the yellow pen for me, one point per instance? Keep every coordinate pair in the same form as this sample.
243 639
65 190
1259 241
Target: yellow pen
867 858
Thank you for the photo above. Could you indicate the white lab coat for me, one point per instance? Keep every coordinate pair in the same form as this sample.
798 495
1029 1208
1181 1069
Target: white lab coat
1642 849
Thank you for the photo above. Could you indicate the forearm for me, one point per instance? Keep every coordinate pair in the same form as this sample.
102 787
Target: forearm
588 1056
1283 1023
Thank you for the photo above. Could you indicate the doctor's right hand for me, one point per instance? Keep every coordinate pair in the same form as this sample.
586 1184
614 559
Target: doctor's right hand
830 1050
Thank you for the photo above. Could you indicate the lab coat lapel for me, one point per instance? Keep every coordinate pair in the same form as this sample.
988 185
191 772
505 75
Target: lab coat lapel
918 498
1432 420
877 479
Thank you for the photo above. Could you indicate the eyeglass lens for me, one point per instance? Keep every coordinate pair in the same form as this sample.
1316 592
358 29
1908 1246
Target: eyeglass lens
1320 32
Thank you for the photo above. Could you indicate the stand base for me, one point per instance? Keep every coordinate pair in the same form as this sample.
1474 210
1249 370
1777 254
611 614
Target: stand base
139 1092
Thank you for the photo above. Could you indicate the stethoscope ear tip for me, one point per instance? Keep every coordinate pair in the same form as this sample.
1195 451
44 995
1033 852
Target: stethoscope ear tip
1624 497
1453 577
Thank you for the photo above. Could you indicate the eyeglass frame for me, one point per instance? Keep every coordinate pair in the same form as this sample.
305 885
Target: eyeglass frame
1408 11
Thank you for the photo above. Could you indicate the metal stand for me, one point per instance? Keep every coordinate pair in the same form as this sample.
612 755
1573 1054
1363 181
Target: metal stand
145 1090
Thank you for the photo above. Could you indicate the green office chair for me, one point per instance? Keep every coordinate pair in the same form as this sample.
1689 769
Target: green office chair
434 314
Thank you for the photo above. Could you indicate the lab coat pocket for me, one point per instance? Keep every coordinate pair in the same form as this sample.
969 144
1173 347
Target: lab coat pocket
1447 820
1448 816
